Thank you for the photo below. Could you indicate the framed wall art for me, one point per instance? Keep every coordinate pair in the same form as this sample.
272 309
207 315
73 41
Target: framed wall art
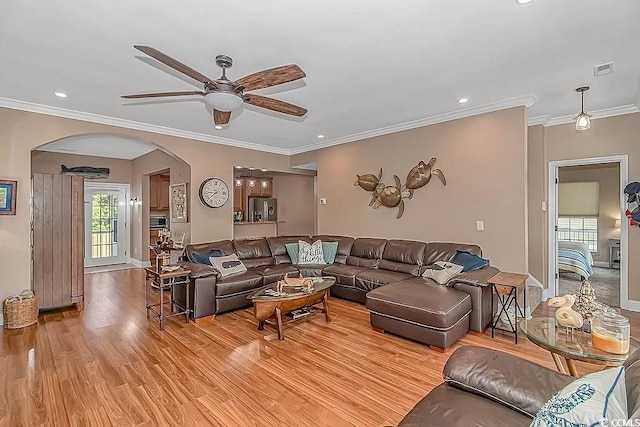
8 197
178 202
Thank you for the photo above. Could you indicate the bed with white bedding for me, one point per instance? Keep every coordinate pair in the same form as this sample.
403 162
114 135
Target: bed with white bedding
575 257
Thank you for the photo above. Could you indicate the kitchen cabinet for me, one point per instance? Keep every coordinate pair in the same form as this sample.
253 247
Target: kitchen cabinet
239 197
163 193
153 238
252 187
266 187
159 192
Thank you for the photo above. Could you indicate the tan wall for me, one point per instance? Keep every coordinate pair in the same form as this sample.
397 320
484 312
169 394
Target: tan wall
609 205
485 161
144 166
21 132
120 170
295 204
607 137
536 195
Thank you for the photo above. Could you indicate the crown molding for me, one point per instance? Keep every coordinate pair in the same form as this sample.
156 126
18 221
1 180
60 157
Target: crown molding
539 120
130 124
525 100
597 114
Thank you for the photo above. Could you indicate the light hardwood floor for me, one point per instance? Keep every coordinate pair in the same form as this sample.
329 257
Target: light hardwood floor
109 365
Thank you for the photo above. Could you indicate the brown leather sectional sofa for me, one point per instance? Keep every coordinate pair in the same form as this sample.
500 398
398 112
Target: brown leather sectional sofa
384 274
485 387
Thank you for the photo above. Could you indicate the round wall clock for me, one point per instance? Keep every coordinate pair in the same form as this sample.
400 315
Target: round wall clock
214 192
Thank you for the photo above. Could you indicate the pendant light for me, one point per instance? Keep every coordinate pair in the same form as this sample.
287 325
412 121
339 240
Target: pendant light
583 120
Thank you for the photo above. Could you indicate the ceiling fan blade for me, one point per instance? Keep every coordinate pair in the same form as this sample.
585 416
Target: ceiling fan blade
271 77
275 105
221 117
176 65
161 94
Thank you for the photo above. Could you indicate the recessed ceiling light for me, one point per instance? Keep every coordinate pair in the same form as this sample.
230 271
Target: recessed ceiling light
60 94
238 167
218 127
264 170
320 136
463 100
523 1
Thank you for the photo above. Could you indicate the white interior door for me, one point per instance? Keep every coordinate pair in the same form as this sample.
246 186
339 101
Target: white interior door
106 225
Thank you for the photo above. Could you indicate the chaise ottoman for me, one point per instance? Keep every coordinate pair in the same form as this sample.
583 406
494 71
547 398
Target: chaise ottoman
428 313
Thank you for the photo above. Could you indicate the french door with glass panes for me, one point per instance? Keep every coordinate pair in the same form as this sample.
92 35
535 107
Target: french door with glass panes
105 224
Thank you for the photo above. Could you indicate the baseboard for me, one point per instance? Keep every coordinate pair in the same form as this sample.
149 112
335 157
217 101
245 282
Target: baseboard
632 305
139 264
603 264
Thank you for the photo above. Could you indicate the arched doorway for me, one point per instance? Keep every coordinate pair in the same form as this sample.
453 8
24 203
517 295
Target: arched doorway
118 192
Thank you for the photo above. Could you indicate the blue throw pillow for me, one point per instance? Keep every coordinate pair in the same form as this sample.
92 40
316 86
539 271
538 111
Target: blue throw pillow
329 251
204 258
469 261
292 250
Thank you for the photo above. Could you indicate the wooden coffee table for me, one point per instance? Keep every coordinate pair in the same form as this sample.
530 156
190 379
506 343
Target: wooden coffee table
270 308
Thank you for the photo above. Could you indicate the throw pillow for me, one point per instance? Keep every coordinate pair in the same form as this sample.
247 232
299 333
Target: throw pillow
329 251
227 265
310 253
292 250
442 271
587 401
204 258
469 261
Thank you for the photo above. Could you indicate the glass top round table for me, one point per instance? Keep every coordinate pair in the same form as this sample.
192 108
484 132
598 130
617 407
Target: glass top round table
546 333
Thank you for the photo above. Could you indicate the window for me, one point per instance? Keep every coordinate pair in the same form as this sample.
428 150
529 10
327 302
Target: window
579 229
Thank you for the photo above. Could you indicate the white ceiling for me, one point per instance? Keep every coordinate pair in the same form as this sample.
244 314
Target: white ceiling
372 66
100 146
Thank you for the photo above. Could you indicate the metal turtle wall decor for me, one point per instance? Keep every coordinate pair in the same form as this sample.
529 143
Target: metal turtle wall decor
392 196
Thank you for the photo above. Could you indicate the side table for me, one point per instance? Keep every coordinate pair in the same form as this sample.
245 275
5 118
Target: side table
161 280
506 287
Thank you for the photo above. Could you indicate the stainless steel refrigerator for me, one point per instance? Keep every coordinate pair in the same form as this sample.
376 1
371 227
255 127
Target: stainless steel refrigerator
262 209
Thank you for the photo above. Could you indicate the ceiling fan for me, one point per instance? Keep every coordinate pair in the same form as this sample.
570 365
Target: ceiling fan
224 95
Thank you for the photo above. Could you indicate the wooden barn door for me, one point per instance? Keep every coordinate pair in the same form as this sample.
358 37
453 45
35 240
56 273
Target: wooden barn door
58 240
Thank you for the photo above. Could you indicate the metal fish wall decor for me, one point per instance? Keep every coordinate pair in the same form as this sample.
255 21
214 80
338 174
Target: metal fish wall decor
86 171
392 196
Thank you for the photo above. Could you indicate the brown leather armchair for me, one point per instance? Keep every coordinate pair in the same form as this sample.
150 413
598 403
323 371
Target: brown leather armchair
485 387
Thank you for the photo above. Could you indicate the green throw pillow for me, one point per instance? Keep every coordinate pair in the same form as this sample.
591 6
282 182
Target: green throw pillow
292 250
329 251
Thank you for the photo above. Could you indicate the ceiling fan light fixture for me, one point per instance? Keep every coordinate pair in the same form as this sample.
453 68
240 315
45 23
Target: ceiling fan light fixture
218 127
583 120
223 101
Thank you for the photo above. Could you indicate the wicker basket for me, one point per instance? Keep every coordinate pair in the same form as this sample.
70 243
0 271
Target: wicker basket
20 313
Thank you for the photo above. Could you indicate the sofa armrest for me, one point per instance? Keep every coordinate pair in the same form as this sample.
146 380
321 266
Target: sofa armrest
476 277
199 270
517 383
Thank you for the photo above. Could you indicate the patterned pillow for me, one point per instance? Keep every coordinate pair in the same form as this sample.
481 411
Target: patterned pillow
588 401
310 253
442 271
227 265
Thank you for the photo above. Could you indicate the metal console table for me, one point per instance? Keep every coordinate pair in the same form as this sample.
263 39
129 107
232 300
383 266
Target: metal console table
166 280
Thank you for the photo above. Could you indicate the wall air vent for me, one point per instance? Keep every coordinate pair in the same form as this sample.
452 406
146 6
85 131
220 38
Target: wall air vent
604 69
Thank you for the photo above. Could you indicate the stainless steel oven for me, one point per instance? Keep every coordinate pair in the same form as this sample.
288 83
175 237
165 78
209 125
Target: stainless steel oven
158 222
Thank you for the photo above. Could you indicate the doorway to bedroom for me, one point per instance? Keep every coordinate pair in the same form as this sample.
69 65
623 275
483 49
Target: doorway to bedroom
586 233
